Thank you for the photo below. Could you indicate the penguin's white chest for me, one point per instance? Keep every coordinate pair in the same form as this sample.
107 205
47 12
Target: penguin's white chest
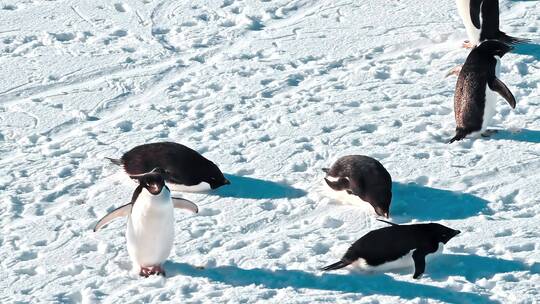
490 107
200 187
464 11
150 229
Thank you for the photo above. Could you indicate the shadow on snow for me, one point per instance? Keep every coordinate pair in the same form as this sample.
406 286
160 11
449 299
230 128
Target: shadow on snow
524 135
424 203
375 284
253 188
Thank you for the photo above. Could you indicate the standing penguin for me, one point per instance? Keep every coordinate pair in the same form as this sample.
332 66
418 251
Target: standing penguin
186 169
481 20
396 247
150 227
364 177
477 83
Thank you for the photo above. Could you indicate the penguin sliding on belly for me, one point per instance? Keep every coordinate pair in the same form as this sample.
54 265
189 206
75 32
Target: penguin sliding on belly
481 20
396 246
363 177
475 95
150 227
186 169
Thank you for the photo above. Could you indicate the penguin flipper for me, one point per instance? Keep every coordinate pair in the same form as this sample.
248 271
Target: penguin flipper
124 210
454 71
337 265
182 203
498 86
474 11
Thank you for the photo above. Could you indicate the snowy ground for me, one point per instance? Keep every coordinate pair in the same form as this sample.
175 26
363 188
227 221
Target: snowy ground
272 91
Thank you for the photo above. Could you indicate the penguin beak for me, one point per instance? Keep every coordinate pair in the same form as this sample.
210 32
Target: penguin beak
226 182
456 232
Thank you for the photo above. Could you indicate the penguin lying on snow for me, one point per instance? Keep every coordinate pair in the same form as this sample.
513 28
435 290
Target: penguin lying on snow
364 177
186 169
391 247
150 227
481 20
474 97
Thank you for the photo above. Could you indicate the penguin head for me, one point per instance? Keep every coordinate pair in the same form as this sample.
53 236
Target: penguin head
441 233
214 177
494 48
153 181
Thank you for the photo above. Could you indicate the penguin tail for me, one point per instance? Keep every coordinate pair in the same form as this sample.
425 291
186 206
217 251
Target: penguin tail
512 40
460 134
337 265
115 161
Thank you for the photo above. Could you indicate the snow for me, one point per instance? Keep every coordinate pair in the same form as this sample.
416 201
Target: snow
272 91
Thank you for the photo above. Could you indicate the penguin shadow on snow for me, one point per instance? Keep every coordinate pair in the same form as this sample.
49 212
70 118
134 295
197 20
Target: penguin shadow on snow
528 48
430 204
373 284
524 135
253 188
473 267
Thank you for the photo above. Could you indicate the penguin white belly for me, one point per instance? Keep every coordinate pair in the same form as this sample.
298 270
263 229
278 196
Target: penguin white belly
464 11
200 187
404 262
490 107
345 198
150 229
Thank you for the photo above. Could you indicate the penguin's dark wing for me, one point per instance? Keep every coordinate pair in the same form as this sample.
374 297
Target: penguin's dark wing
419 258
474 11
182 203
124 210
498 86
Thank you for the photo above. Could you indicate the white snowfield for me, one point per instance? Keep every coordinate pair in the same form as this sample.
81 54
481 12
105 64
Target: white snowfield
271 91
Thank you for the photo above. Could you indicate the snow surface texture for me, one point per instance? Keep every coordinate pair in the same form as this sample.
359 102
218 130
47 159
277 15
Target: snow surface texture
272 91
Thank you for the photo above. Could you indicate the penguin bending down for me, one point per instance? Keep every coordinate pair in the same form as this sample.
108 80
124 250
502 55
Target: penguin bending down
474 97
364 177
481 20
150 227
396 246
186 169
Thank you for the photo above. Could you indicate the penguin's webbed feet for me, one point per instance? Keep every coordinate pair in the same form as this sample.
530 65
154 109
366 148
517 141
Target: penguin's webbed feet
148 271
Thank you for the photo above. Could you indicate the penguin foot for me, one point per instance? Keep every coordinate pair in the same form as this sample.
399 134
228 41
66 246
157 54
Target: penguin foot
467 44
148 271
488 133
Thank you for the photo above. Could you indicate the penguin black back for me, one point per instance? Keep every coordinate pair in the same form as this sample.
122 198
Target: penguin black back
183 165
365 177
391 243
477 73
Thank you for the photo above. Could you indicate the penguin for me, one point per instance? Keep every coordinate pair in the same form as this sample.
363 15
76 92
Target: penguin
396 246
150 225
363 177
481 20
477 84
186 170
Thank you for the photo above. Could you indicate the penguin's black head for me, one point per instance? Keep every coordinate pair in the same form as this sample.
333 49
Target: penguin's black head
441 233
494 48
214 177
153 181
